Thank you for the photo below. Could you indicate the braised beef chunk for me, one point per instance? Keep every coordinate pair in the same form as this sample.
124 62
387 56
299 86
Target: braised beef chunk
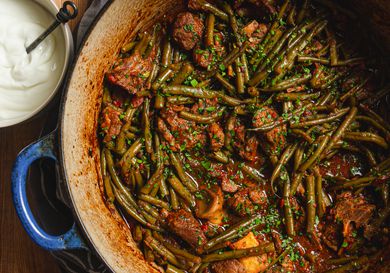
351 209
275 137
217 137
187 30
228 266
180 133
247 201
131 73
255 32
111 123
184 225
344 165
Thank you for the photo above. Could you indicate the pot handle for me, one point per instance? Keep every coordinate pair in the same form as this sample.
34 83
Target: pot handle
43 148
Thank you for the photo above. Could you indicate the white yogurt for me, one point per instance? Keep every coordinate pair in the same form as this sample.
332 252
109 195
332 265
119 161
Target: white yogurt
27 80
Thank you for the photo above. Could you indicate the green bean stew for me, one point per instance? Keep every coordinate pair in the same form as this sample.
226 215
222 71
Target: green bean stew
243 136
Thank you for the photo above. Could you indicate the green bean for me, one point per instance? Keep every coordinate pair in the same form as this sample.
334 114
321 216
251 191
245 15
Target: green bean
181 190
225 83
303 59
146 123
310 204
212 118
137 234
351 61
289 218
207 7
337 135
116 180
149 218
148 208
141 46
210 24
185 71
288 60
233 231
166 57
239 77
355 182
297 178
302 134
232 21
125 161
162 78
106 96
245 67
320 205
311 160
275 50
127 47
132 211
195 92
175 250
108 189
179 100
353 265
366 137
296 96
286 84
291 15
172 269
187 180
174 200
375 124
298 156
153 181
229 131
284 158
354 90
220 156
159 101
333 51
369 154
138 178
162 250
277 260
311 122
239 253
154 201
253 173
375 116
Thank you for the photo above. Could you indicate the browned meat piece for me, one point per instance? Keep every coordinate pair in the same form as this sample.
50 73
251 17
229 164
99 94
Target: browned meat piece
187 30
275 137
255 32
247 201
228 185
131 73
217 137
250 150
184 132
228 266
111 123
343 165
184 225
350 209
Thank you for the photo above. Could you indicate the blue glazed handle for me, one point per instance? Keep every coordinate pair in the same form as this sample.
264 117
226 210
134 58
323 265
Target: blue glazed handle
43 148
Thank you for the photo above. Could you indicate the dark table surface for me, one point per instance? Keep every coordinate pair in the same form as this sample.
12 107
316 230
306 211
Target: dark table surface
18 254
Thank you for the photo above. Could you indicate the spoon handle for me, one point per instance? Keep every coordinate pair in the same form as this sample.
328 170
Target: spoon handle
68 12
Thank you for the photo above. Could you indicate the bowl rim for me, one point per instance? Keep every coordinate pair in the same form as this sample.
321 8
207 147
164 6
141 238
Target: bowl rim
51 7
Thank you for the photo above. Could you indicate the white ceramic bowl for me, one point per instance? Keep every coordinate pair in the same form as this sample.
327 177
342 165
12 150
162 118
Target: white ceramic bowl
66 33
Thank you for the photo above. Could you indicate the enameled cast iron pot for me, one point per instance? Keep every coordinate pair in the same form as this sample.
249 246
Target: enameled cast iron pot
74 145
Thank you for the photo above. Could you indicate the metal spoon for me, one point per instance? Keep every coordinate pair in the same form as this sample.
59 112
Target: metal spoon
68 12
